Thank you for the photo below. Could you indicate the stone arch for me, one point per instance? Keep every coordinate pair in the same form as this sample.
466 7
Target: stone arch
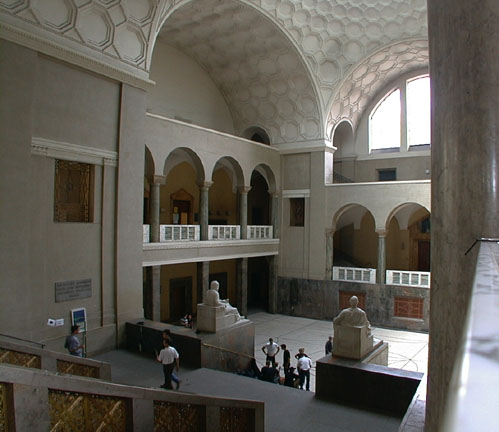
264 83
355 212
343 137
266 172
361 85
257 134
403 213
149 169
232 168
183 154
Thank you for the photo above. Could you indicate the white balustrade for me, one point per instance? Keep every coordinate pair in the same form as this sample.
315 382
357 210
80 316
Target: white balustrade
260 232
408 278
169 233
224 232
354 274
145 233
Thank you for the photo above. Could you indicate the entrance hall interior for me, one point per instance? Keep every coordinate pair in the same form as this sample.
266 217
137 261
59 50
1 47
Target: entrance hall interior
299 152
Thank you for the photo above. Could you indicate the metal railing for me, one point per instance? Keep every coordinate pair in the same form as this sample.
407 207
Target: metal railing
408 278
22 340
354 274
260 232
224 232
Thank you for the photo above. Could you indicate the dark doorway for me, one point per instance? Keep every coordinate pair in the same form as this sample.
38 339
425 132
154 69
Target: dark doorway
258 283
424 255
182 209
221 278
180 297
258 201
147 292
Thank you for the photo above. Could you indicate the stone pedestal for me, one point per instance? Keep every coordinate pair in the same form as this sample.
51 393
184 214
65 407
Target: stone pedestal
352 342
213 318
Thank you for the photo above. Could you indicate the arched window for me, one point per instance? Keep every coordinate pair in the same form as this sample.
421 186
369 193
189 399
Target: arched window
402 117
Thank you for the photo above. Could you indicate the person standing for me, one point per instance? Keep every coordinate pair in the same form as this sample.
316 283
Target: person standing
73 344
169 357
270 349
168 335
286 358
304 366
329 345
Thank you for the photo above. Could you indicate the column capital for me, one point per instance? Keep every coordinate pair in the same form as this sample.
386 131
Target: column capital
205 185
382 232
273 194
243 190
330 232
157 179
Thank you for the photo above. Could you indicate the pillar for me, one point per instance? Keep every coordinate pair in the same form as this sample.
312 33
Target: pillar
464 68
329 254
243 210
274 214
203 209
381 270
155 205
273 263
203 279
242 286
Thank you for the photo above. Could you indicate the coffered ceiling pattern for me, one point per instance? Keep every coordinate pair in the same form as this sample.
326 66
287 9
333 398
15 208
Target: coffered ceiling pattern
289 66
258 70
370 76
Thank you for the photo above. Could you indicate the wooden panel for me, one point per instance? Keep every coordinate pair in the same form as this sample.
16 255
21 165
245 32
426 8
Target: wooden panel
409 307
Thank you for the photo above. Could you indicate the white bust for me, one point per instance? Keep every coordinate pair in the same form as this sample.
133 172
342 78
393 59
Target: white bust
352 316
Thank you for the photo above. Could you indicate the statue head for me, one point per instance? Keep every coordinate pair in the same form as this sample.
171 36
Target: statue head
354 301
214 285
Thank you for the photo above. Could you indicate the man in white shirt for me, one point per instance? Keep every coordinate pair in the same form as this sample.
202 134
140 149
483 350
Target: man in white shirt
169 357
270 349
304 365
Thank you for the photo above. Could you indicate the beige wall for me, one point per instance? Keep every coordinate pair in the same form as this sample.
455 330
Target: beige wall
48 99
223 199
185 91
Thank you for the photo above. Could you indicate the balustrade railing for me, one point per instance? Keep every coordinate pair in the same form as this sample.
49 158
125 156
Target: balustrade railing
408 278
145 233
354 274
179 233
260 232
224 232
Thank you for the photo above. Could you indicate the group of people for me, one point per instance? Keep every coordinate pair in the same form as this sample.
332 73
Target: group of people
271 371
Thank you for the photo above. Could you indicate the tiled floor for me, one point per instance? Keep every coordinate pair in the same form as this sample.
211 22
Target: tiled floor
407 350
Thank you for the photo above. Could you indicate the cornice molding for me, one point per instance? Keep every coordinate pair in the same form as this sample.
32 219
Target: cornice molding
72 152
43 41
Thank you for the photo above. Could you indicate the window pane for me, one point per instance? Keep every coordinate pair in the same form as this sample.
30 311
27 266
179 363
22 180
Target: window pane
385 123
418 111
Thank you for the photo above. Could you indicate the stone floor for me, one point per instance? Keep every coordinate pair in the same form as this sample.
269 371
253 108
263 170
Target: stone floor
287 409
407 350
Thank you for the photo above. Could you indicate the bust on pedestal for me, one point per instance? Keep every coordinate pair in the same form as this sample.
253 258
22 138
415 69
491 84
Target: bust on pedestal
352 332
215 314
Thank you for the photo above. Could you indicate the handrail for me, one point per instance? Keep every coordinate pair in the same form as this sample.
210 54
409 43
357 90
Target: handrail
471 402
229 351
21 339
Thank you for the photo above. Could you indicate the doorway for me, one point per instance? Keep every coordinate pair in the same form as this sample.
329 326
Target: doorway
258 283
180 297
424 255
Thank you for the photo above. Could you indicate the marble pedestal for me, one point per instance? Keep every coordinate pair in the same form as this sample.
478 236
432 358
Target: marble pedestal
352 342
213 318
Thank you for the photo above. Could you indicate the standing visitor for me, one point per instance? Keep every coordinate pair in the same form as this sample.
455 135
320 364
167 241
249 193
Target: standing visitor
169 357
304 366
270 349
329 345
73 344
286 358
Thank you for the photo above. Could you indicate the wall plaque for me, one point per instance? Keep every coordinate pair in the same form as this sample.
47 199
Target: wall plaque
73 290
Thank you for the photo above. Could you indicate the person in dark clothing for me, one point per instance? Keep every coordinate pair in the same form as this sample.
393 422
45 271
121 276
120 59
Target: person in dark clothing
329 345
268 373
286 358
291 378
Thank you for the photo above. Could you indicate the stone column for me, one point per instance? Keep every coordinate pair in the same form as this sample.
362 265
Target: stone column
203 279
155 206
242 286
274 214
203 208
273 263
243 210
464 68
329 254
381 270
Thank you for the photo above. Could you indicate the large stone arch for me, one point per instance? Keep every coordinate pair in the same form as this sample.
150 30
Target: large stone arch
351 213
183 154
266 172
403 213
264 78
370 76
232 168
